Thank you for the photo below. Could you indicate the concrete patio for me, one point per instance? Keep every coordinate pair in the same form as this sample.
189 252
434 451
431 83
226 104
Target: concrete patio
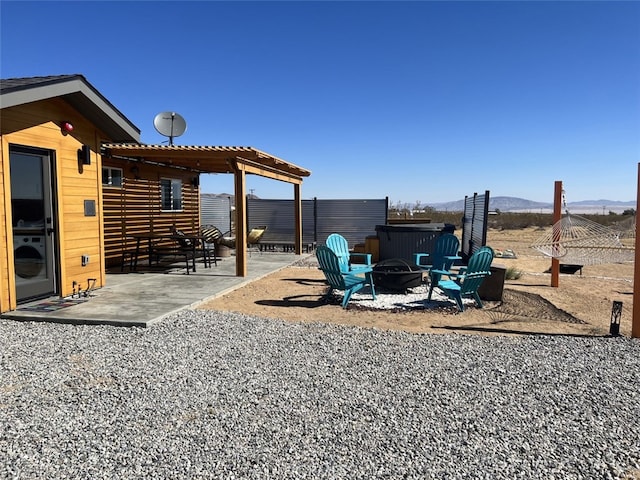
145 297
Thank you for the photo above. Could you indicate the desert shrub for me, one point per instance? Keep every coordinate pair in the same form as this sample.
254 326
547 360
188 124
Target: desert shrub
512 273
515 221
431 216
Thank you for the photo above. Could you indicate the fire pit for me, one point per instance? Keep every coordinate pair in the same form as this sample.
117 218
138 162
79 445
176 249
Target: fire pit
397 274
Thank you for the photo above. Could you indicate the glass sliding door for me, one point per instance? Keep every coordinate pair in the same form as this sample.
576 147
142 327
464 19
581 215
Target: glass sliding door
33 223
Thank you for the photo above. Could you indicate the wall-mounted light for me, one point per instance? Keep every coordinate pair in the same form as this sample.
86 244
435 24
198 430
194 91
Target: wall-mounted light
84 155
66 128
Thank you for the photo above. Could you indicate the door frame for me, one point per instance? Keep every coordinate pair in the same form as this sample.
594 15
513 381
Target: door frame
50 230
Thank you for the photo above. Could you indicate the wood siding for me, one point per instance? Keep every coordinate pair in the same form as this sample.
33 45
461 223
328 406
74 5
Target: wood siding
135 208
37 125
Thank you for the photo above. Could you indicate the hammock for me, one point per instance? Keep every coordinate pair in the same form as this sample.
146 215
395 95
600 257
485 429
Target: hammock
579 241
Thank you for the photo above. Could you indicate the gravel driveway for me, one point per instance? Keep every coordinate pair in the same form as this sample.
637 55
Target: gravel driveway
211 395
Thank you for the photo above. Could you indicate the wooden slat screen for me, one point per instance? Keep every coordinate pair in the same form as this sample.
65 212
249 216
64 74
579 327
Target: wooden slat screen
135 208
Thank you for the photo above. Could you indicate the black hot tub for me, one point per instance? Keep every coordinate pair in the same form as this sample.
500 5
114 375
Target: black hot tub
403 240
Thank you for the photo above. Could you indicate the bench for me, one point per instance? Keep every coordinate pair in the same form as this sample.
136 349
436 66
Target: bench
183 252
285 246
567 268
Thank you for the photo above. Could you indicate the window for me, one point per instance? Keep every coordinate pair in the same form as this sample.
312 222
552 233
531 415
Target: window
111 177
171 194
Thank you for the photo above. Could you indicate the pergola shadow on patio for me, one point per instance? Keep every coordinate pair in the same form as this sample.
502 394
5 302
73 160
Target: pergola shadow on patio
142 298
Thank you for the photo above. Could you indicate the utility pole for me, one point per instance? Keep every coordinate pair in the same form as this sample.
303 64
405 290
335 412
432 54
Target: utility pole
635 322
557 216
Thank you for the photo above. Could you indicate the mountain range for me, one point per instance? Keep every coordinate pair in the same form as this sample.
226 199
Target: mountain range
514 204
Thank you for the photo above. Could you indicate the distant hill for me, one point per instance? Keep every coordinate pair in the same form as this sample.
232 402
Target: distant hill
514 204
604 202
504 204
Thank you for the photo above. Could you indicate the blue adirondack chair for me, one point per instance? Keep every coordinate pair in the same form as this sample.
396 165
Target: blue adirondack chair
339 280
339 245
443 256
465 283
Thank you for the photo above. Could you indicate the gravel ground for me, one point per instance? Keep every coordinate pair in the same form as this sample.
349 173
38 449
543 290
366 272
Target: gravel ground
212 395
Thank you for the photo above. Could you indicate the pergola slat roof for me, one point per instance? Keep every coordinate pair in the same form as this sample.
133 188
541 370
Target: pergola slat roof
210 159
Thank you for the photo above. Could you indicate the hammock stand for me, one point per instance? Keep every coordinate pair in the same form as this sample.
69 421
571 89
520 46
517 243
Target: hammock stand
579 241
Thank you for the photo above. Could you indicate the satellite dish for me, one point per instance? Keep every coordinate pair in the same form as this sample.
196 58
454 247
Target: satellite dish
170 124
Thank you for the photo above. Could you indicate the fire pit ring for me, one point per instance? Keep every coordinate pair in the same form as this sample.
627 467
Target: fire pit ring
397 274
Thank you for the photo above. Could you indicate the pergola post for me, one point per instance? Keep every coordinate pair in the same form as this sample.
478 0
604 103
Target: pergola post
240 190
297 202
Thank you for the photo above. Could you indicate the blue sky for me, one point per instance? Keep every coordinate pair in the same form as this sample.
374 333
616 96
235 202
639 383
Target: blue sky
415 101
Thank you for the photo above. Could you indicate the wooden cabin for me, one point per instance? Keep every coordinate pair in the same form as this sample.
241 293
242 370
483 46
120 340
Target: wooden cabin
75 183
51 231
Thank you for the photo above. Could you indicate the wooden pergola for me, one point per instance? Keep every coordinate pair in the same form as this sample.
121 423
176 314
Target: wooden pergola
238 161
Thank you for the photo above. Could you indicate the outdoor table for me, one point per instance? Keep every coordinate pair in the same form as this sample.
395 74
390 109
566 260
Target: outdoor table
152 238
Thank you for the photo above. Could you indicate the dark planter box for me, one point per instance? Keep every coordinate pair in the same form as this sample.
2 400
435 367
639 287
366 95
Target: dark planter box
492 287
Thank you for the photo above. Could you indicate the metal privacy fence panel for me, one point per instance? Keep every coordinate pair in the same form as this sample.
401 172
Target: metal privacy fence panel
474 223
353 219
279 218
215 210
